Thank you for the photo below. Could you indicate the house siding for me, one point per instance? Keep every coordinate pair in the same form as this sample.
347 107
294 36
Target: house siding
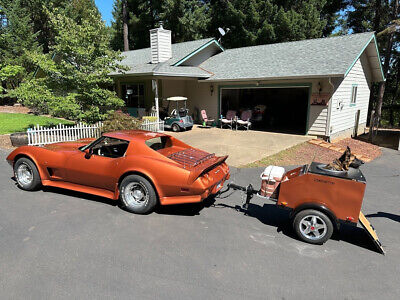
343 116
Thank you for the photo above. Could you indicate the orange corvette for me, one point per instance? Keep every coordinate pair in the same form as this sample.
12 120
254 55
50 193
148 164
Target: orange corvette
140 168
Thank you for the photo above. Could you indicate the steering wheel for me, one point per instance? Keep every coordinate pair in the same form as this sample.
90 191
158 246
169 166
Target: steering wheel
173 112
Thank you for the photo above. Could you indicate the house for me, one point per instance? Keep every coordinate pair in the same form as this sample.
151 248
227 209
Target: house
316 87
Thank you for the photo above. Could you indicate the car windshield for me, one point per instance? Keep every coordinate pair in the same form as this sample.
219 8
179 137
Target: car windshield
83 148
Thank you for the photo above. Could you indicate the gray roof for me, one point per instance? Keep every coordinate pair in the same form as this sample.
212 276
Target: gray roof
333 57
139 61
308 58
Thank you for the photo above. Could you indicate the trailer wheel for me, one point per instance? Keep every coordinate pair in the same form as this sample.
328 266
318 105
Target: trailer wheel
313 226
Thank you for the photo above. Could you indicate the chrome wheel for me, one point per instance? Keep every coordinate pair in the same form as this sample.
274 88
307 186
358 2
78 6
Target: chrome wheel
313 227
24 174
136 194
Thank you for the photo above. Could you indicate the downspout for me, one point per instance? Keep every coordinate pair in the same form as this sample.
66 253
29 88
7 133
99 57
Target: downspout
328 119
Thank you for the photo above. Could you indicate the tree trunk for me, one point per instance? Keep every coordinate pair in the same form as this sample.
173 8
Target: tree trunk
125 20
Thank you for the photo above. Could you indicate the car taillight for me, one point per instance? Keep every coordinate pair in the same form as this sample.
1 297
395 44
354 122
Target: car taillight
180 121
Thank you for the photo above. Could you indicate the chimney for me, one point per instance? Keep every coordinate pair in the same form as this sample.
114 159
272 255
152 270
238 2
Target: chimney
160 43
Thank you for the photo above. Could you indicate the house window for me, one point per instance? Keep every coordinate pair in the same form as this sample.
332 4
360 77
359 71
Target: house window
353 99
133 94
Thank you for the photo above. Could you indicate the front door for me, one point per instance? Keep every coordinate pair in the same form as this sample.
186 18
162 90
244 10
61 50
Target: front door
100 169
133 95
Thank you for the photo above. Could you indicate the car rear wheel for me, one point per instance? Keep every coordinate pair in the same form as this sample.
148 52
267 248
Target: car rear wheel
137 194
313 226
27 174
176 128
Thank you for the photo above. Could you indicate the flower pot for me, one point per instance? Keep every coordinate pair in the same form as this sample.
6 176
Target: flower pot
19 139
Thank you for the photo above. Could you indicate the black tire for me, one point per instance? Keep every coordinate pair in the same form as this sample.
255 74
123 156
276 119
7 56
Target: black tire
25 182
312 226
176 128
144 189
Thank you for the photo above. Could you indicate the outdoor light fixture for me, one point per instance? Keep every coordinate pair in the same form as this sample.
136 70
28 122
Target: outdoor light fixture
211 89
128 93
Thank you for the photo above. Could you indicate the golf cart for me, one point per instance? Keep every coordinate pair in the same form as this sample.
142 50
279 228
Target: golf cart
179 118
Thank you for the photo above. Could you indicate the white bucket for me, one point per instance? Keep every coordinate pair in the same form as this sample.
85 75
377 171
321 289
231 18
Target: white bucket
270 179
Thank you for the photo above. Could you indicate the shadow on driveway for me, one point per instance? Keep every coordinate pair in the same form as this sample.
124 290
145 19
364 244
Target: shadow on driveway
272 215
381 214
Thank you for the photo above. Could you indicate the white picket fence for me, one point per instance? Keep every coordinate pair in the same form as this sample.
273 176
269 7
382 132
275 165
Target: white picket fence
152 126
40 135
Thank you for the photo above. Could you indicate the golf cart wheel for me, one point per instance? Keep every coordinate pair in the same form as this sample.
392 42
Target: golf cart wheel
176 128
313 226
137 194
27 174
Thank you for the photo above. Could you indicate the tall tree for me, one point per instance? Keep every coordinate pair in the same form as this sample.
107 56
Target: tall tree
75 77
187 19
125 21
254 22
387 61
143 16
16 38
378 15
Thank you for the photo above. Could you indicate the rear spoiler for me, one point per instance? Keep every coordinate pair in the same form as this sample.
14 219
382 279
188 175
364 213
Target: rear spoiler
205 167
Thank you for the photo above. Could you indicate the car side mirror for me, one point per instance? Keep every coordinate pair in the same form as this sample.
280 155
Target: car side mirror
88 153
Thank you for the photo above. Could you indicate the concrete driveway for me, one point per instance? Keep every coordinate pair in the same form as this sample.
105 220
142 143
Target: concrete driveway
63 245
243 147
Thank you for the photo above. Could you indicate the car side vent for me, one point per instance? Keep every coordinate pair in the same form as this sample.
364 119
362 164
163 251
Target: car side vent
51 172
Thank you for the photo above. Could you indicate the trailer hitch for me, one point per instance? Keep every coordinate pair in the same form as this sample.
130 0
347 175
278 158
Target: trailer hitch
249 191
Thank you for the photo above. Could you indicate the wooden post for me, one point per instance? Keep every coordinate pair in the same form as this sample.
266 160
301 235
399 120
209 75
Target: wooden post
154 84
355 132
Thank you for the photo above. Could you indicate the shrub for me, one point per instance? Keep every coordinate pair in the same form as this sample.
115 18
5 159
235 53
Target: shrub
120 121
150 118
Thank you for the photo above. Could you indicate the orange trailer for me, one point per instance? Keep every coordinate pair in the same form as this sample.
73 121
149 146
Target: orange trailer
319 200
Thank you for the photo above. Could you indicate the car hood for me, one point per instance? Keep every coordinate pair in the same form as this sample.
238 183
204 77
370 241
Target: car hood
67 146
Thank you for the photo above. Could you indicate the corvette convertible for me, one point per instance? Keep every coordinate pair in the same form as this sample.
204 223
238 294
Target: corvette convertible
139 168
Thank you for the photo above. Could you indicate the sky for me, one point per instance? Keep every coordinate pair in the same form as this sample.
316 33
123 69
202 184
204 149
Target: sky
105 8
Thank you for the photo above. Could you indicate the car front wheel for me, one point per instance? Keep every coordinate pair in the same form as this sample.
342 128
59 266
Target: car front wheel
27 174
313 226
137 194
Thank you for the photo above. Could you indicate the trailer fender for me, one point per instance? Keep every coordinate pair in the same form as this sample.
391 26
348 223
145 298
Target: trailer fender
319 207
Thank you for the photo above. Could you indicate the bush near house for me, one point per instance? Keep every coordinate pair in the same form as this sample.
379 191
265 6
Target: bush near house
120 121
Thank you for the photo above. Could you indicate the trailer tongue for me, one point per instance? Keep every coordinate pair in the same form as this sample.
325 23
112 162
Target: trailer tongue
320 199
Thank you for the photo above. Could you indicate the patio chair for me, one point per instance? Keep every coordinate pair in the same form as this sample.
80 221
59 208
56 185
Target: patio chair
244 120
206 120
229 119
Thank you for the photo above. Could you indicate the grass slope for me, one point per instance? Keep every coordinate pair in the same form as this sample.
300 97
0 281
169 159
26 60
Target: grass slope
10 122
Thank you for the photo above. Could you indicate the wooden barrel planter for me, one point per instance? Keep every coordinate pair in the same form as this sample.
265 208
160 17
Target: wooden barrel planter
19 139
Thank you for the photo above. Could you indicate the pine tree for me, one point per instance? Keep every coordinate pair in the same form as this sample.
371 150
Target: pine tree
16 38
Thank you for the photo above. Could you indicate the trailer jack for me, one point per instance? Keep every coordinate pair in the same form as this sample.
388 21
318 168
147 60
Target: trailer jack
248 190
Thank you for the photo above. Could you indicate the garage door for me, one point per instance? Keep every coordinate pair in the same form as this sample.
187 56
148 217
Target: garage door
273 109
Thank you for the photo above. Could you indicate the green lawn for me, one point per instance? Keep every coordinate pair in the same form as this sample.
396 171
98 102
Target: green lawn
10 123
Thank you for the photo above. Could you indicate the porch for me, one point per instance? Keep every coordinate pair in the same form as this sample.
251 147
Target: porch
276 106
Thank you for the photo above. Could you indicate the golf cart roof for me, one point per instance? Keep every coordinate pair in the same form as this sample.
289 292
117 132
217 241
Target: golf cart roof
176 98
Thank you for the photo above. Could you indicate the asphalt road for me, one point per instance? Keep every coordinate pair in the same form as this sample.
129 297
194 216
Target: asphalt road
57 244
